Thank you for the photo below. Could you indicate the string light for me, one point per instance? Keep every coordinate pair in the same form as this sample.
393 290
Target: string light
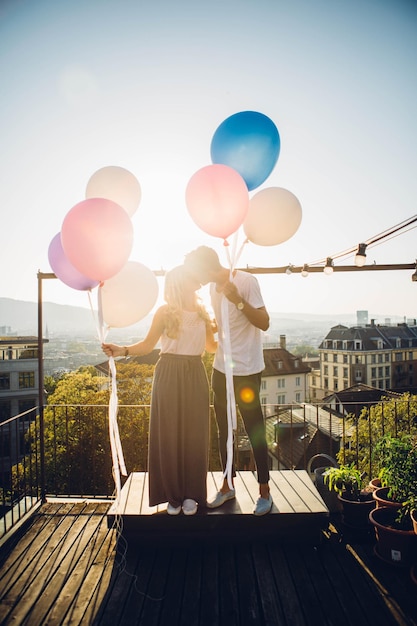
360 258
304 271
288 271
414 276
328 268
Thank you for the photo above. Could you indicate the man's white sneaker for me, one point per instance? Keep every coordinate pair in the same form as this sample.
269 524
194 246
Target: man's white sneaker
220 498
263 506
189 507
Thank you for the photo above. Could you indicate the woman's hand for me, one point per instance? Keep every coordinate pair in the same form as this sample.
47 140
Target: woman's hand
111 349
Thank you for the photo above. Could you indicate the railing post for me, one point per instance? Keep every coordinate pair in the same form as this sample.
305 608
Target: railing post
41 276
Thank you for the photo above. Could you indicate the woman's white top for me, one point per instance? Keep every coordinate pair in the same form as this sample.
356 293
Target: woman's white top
191 339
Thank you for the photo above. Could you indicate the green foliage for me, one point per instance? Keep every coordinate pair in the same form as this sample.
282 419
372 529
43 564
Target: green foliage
396 417
346 478
398 458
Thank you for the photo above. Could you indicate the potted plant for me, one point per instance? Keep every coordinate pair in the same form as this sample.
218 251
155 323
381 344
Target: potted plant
392 518
397 457
353 494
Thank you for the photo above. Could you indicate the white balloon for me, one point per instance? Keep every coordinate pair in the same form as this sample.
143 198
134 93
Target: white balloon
274 216
128 296
117 184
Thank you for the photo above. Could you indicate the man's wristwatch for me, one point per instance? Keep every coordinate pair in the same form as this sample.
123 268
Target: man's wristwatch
240 305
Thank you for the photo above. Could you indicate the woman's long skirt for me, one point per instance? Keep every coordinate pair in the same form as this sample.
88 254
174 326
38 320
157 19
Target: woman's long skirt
179 431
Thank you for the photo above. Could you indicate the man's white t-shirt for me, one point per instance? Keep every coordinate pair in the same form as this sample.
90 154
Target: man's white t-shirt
245 338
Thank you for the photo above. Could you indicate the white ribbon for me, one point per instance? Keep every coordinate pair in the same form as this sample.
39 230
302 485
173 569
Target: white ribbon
118 463
228 365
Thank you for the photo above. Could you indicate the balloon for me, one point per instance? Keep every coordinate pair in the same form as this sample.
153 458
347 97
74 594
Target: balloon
97 237
64 270
129 296
274 216
217 199
250 143
117 184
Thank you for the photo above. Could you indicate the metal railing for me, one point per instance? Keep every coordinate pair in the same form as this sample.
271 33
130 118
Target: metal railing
64 450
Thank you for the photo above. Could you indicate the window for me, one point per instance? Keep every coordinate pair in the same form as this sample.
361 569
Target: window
335 385
335 371
326 383
379 358
298 397
4 381
358 375
263 384
335 358
296 363
373 372
326 370
325 356
263 400
281 399
26 380
358 345
387 371
387 357
5 410
297 382
345 372
28 405
373 358
345 358
281 383
380 372
398 356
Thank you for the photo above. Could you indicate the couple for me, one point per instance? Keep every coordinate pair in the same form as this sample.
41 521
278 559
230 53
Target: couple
179 418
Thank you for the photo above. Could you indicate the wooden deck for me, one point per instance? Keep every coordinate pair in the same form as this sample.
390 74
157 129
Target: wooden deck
68 567
297 507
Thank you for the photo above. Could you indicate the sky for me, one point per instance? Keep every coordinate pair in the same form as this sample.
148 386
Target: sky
144 85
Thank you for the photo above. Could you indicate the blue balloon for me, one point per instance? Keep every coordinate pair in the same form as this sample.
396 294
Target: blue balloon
250 143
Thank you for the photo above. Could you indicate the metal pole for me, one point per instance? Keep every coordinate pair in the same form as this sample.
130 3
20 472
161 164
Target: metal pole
41 276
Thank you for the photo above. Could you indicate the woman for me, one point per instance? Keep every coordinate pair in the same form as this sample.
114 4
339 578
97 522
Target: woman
179 417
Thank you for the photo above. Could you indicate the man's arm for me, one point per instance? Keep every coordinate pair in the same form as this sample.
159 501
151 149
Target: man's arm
257 317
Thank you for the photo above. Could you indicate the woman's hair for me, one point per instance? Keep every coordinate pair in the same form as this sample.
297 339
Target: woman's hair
174 291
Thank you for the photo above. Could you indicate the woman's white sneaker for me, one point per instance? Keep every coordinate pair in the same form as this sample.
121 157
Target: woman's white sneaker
189 507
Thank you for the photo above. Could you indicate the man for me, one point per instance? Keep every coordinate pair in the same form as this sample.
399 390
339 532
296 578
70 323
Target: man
247 317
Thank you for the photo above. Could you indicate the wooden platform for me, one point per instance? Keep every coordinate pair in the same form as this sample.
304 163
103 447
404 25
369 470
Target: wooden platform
297 507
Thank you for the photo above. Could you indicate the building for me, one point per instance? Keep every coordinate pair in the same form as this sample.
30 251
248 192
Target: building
380 356
19 393
284 379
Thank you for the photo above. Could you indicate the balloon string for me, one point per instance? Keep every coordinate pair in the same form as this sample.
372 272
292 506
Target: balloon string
118 463
228 366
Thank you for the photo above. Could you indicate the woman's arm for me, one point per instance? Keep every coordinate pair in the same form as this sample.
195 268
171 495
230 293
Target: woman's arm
141 347
211 343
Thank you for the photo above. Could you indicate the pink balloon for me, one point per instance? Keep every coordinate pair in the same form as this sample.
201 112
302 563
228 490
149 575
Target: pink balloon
129 296
63 269
217 199
97 237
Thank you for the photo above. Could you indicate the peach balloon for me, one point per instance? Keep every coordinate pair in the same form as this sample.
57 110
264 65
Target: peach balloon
129 296
217 199
117 184
274 216
97 238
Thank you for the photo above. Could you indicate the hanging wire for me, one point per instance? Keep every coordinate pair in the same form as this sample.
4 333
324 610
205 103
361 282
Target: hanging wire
389 233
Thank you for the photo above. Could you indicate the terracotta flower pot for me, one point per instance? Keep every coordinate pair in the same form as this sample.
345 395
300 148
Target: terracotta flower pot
394 545
375 483
380 495
355 513
414 519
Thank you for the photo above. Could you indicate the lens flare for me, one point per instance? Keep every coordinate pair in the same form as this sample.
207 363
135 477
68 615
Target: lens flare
247 395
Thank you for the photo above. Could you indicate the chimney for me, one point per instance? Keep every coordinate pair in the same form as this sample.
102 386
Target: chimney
283 342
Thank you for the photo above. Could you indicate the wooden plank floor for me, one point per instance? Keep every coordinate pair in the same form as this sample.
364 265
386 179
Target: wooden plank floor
297 506
67 567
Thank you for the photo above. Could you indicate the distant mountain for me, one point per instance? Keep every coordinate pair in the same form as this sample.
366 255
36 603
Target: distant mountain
21 318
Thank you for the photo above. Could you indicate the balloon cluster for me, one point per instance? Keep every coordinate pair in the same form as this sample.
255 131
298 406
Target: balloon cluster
95 242
244 151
